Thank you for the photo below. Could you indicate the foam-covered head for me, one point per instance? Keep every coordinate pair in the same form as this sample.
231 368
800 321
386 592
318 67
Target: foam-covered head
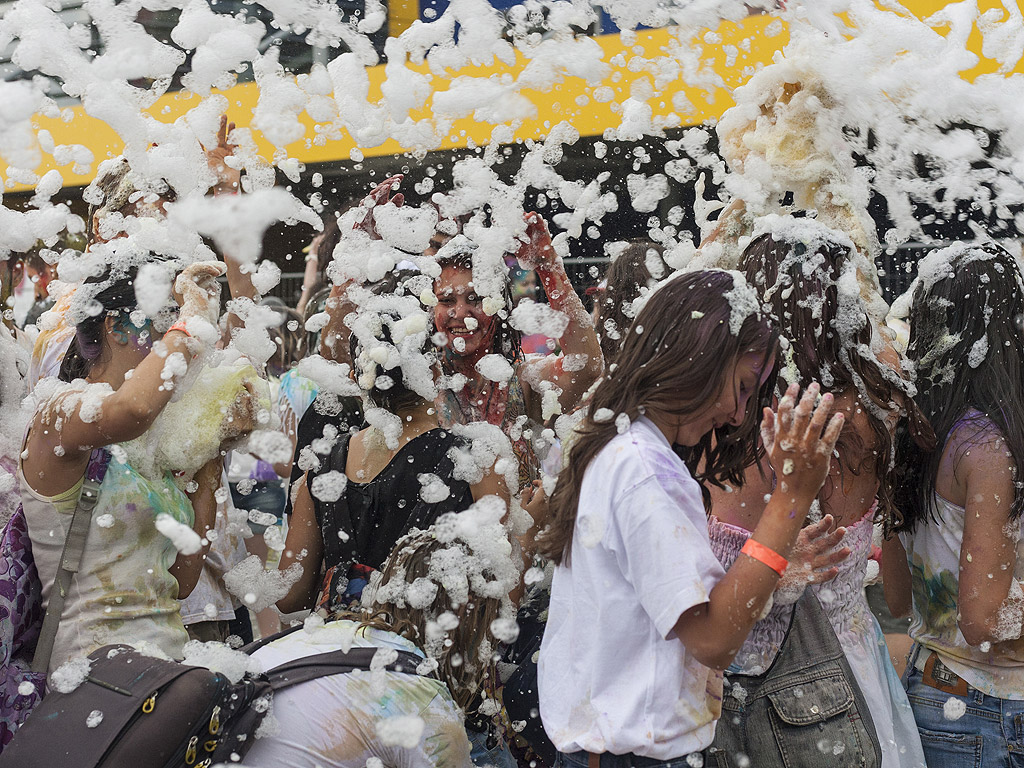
446 589
967 323
393 357
458 300
109 289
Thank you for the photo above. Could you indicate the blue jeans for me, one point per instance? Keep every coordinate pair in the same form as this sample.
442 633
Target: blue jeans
990 733
579 760
482 755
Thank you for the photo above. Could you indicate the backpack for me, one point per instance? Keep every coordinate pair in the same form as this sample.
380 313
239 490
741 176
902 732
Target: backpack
140 711
131 709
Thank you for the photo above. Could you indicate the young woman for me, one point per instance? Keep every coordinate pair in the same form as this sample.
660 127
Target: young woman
365 491
452 569
806 278
470 333
962 504
643 618
115 382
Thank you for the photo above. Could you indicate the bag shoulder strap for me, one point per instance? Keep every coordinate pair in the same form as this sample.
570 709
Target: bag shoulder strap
70 558
339 663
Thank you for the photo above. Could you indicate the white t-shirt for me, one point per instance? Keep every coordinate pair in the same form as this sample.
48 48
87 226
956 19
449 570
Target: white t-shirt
341 721
613 677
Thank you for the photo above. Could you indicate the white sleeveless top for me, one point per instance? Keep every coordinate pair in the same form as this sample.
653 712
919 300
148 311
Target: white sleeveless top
124 592
933 553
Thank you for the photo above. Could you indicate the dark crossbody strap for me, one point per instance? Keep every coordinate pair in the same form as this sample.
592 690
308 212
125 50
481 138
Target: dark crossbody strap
338 663
70 558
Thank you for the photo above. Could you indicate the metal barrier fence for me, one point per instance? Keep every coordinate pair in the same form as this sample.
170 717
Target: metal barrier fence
896 273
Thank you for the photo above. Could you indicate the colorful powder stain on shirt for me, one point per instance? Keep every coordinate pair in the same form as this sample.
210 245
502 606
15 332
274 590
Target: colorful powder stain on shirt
124 591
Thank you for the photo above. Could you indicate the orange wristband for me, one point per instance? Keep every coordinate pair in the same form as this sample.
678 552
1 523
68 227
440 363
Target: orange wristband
761 553
180 326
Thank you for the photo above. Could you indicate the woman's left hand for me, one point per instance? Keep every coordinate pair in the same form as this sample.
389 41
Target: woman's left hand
815 555
241 417
228 178
536 251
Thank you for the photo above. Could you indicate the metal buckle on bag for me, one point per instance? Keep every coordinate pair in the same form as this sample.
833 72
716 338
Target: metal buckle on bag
942 678
215 721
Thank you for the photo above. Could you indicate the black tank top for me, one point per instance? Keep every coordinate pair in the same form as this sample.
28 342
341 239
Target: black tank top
361 528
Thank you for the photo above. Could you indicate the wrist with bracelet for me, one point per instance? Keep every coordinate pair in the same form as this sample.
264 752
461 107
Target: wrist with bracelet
179 325
765 555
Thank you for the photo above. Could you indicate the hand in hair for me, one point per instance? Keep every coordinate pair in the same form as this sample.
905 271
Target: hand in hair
380 195
797 450
197 292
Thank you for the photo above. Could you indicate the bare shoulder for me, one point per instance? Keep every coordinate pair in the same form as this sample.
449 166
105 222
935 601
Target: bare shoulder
976 446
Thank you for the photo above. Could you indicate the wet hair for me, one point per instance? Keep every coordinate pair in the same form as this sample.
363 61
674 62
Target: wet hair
967 348
399 396
290 343
508 341
675 360
809 288
114 190
87 347
465 653
627 275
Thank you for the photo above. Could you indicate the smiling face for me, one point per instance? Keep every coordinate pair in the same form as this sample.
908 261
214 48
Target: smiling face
460 316
729 408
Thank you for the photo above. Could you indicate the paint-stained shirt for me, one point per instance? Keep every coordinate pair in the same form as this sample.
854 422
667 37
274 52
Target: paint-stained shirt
341 721
613 675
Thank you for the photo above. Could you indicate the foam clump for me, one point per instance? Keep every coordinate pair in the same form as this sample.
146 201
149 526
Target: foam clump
258 587
219 657
190 431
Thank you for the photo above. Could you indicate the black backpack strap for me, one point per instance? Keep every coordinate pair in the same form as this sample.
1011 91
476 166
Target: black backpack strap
255 645
339 663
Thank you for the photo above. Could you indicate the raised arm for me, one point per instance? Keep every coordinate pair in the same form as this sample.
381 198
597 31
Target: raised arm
229 183
714 631
580 361
131 409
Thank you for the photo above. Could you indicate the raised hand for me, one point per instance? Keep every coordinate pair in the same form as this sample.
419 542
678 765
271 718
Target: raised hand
380 195
536 250
197 291
228 178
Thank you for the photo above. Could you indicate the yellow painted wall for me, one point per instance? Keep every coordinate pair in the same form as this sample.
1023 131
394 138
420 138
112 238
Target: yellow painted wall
572 100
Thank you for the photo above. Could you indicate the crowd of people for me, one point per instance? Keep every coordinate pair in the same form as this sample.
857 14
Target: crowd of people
729 446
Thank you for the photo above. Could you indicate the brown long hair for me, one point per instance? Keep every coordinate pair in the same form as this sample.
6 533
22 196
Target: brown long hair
968 354
675 359
465 653
808 283
626 277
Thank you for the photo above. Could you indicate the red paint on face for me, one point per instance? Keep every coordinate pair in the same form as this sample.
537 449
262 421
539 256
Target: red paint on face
460 316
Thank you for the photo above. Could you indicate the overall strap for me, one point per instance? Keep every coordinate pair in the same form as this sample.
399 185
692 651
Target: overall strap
71 557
